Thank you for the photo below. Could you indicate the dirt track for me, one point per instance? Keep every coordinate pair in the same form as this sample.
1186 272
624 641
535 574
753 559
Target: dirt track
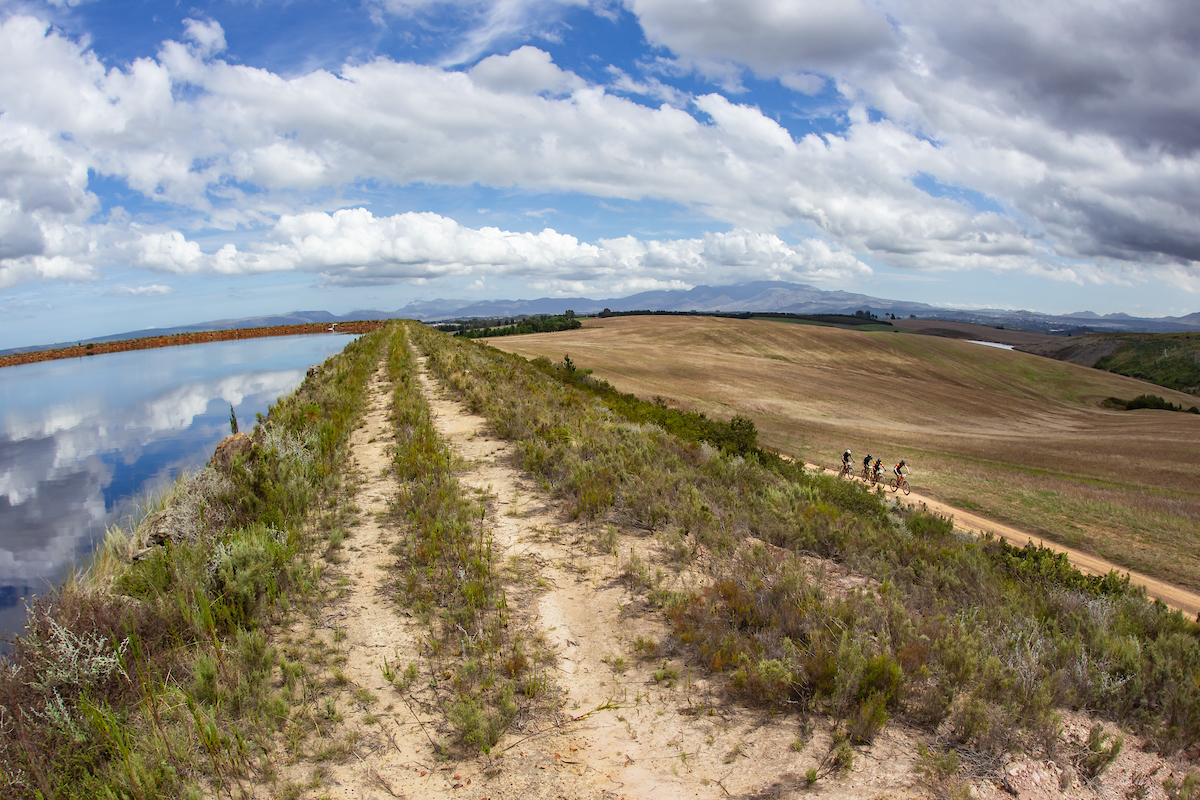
1174 596
621 731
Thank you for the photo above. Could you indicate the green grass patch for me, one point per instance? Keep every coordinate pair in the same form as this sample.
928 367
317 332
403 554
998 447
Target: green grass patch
1168 359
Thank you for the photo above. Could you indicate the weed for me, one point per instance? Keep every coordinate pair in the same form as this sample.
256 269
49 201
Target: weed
666 673
1101 750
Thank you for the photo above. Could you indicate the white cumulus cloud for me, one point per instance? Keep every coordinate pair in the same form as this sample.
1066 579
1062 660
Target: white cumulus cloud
1043 179
352 246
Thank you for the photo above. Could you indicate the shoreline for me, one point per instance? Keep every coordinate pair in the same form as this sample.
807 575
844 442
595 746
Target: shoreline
198 337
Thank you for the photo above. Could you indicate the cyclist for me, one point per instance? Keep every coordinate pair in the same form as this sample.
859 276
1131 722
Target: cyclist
847 469
866 464
899 469
877 470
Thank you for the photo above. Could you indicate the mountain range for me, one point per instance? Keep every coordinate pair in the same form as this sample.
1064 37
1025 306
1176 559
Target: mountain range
757 296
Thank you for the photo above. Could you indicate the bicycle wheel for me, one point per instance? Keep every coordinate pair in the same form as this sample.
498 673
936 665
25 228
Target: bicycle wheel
895 484
906 487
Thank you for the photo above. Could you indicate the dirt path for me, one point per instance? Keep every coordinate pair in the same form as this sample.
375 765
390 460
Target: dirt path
674 737
619 732
633 721
1174 596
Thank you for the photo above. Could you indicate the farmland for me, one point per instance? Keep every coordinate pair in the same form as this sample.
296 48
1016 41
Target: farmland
1007 435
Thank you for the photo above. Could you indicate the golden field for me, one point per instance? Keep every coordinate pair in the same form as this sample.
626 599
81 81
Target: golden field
1015 437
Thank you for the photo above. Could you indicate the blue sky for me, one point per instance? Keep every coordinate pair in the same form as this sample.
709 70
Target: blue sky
164 164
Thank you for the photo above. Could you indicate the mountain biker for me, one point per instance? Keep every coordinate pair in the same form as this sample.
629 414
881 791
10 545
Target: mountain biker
877 470
867 463
899 469
846 458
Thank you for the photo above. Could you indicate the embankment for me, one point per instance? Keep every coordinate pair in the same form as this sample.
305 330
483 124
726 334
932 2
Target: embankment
151 342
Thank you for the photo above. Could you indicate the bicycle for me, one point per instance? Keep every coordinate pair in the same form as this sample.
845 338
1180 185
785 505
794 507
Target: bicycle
900 482
866 474
847 470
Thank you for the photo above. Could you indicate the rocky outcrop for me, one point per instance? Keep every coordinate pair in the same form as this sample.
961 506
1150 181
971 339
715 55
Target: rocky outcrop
231 447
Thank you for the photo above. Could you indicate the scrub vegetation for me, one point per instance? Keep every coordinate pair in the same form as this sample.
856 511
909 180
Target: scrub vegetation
151 675
166 671
541 323
975 641
1020 440
1168 359
1151 401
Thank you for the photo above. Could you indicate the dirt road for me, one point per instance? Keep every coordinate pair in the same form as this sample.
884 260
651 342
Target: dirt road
633 720
1174 596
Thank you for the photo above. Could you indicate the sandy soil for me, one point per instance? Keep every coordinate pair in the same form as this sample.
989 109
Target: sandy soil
618 732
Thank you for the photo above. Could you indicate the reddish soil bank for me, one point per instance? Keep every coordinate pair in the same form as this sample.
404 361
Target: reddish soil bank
96 348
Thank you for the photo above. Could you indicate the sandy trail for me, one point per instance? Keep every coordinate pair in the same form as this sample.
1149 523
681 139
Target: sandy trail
674 738
619 733
1174 596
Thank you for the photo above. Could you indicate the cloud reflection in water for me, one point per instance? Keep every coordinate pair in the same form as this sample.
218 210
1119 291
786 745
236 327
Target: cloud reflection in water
80 439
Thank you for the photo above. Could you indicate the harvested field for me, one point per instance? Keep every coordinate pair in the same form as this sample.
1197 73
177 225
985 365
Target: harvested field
1007 435
969 330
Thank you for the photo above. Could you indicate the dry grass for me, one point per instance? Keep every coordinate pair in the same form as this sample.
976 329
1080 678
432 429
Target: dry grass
1020 438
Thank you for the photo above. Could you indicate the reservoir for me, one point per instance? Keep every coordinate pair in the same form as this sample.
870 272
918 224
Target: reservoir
82 439
991 344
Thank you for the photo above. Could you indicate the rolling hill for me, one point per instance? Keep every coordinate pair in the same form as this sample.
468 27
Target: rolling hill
1015 437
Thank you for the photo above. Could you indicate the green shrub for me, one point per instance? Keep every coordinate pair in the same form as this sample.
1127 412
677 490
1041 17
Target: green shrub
1100 752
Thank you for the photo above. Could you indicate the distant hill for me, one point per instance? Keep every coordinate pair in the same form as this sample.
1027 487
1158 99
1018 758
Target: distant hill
764 296
794 298
1167 359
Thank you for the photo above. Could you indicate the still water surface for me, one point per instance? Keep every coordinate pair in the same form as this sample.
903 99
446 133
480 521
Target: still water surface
80 439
